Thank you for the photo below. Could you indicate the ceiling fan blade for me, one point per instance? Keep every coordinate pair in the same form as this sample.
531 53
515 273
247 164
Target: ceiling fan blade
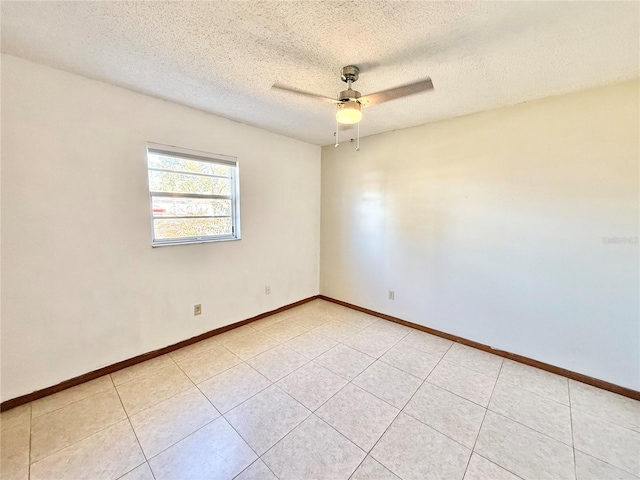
398 92
306 94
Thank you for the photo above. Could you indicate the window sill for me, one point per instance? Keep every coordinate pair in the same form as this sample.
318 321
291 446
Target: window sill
191 242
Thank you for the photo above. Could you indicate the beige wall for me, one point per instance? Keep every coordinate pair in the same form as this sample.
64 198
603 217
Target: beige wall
81 286
491 227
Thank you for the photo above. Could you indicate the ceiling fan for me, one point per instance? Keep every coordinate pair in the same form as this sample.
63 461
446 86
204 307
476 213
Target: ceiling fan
350 102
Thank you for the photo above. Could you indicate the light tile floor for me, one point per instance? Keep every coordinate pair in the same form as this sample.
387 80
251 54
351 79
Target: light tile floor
325 392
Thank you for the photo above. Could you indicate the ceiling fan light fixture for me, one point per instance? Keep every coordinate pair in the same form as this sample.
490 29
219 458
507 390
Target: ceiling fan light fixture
349 113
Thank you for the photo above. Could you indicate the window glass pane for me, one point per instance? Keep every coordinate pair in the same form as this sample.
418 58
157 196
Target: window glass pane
166 228
166 162
187 207
183 183
183 192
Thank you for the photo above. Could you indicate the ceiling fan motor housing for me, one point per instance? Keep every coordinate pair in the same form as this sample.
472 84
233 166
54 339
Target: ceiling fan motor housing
350 73
349 94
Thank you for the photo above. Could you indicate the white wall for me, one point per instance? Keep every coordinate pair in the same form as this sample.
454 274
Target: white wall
491 227
81 286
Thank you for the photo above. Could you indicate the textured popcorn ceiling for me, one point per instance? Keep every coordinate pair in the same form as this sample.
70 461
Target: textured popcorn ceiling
223 57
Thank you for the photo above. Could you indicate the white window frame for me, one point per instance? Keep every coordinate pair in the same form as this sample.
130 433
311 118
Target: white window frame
202 157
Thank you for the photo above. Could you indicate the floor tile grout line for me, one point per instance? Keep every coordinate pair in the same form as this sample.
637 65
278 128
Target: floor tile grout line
86 437
602 419
306 329
269 349
345 437
137 366
529 391
247 442
313 412
197 385
292 371
383 353
141 377
318 334
527 367
486 407
495 379
572 445
218 373
80 439
476 351
178 441
573 441
497 464
339 390
434 428
17 469
275 383
395 418
605 462
283 342
365 353
223 415
196 430
235 330
217 344
386 362
70 403
137 466
144 455
271 324
265 464
350 381
257 354
471 369
528 427
259 459
247 399
30 440
390 366
155 404
484 415
452 393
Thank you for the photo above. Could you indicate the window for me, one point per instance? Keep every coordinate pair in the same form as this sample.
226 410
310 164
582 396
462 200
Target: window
194 196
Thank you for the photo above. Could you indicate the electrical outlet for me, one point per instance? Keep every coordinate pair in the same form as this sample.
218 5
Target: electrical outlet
267 290
392 295
197 309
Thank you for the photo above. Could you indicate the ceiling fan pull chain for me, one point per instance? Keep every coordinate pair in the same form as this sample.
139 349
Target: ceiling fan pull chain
358 139
336 133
